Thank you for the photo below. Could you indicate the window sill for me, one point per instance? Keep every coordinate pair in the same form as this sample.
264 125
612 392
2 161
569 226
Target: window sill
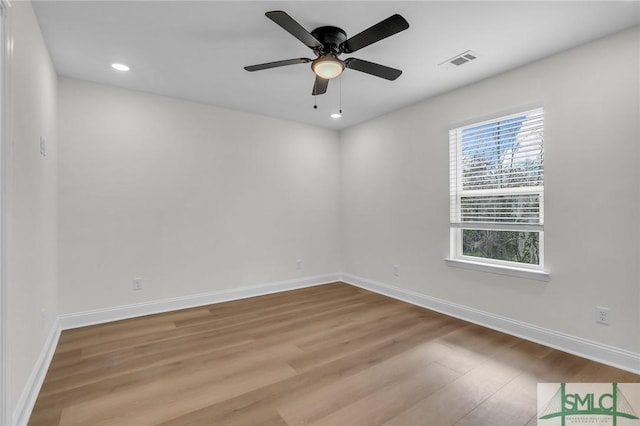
499 269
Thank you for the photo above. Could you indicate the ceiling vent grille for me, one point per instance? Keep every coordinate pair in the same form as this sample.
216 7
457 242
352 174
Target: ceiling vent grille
460 59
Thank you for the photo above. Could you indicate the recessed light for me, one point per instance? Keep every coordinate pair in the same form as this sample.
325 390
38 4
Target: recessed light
120 67
336 115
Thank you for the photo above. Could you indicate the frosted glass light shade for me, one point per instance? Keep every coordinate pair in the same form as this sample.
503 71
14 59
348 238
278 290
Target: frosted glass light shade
327 67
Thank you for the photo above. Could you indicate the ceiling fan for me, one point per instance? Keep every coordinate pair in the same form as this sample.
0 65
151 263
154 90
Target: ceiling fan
330 42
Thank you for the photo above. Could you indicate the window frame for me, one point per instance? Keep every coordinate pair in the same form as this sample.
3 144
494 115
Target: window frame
457 226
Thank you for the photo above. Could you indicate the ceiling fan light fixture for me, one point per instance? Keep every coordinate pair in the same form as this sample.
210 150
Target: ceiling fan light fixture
327 67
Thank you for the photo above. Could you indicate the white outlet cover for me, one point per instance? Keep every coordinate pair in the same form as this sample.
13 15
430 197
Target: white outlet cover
137 284
603 315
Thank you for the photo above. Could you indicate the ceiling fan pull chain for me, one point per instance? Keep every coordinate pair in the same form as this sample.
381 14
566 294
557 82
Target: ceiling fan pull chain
315 97
340 103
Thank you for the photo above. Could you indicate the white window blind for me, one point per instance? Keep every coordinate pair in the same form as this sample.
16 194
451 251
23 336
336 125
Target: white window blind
496 171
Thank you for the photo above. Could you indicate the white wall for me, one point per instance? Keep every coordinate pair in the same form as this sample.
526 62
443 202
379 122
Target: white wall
395 193
31 203
189 197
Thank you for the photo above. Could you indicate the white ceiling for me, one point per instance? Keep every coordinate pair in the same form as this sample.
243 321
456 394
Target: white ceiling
197 50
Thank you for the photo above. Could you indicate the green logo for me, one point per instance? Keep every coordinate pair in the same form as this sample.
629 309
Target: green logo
565 404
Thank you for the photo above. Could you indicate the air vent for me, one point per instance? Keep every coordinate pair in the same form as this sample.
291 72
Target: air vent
458 60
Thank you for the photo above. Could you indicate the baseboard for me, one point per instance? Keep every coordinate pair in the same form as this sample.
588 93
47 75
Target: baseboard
99 316
31 390
604 354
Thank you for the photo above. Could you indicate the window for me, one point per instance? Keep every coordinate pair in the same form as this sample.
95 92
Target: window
497 191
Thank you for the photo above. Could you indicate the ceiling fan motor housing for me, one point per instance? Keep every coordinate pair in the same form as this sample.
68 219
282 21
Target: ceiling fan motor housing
331 39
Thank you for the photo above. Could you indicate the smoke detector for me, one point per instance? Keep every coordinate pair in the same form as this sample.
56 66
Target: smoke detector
458 60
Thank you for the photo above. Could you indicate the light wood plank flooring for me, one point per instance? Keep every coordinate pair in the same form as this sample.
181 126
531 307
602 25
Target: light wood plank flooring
327 355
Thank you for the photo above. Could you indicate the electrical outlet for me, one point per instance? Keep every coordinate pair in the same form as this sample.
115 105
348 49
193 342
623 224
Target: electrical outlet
42 147
137 284
299 264
602 315
396 270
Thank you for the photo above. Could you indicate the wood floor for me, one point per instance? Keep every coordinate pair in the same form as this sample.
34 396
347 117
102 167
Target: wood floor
327 355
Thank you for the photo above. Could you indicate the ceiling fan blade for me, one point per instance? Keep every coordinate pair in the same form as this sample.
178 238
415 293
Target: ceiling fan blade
294 28
268 65
383 29
372 68
320 86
